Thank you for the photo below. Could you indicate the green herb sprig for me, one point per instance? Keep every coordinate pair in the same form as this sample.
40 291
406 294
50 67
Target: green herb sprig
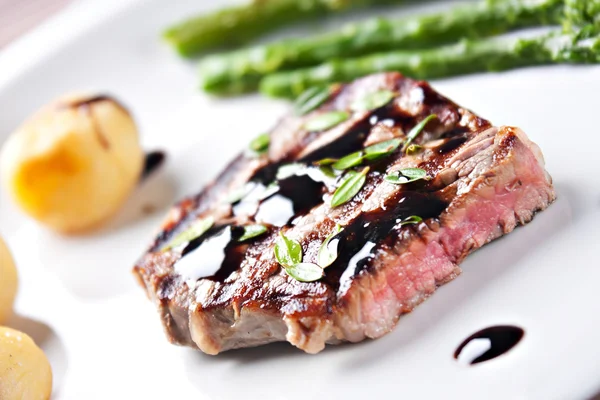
196 229
288 254
327 255
252 231
352 184
406 175
311 98
370 153
326 120
260 144
412 220
372 100
416 130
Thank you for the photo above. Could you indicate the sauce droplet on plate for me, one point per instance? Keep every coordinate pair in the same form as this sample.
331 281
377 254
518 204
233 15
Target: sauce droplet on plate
488 344
152 162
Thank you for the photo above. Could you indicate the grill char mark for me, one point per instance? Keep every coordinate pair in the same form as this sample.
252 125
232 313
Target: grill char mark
259 293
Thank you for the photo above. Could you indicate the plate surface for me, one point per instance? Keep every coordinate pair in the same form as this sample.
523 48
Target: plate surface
79 301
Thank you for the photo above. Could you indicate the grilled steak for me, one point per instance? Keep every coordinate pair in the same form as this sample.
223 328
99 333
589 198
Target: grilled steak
218 293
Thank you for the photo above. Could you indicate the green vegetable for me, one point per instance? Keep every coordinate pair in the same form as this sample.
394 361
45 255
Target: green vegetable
382 149
370 153
311 98
416 130
326 120
325 161
351 185
406 175
242 70
305 272
413 219
196 229
252 231
260 144
288 252
234 26
327 255
468 56
578 13
327 171
372 100
349 161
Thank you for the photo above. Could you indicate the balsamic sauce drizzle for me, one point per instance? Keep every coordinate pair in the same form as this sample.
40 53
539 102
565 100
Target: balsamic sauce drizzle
298 194
451 144
355 250
214 255
488 344
152 162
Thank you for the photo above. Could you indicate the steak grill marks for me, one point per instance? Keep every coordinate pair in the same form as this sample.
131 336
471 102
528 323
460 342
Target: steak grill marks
302 193
239 286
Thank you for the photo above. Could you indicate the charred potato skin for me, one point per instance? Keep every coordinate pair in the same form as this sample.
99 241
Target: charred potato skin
74 163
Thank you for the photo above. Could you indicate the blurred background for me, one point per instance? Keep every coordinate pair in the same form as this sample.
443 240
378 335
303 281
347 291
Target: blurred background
19 16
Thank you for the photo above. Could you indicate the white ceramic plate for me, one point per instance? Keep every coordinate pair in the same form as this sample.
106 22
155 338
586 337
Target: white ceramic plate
79 301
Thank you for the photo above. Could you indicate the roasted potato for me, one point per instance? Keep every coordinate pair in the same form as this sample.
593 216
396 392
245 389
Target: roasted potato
73 164
8 283
25 372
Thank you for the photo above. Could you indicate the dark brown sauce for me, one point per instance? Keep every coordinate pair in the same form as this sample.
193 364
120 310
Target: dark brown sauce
457 131
353 140
488 344
279 201
297 194
215 255
152 162
451 144
359 240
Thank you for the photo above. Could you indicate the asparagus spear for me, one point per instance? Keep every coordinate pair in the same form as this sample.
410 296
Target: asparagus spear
242 70
468 56
238 25
581 12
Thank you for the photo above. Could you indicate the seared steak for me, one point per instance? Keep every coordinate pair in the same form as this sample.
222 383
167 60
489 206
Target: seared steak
218 293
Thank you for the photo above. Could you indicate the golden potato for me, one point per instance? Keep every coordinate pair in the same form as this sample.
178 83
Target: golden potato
73 164
8 283
25 372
